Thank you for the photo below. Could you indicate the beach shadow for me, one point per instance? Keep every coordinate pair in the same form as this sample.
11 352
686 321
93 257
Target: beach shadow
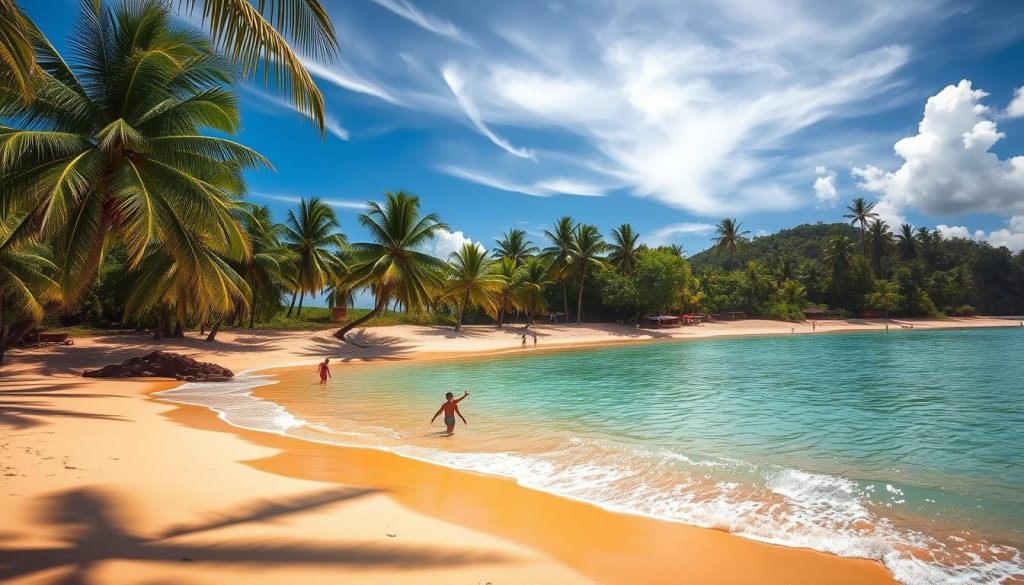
23 406
91 522
362 345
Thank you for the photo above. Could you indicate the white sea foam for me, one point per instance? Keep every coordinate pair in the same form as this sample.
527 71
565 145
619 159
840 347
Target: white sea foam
782 505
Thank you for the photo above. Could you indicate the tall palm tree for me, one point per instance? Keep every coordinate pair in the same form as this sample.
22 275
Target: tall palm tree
560 253
267 269
730 238
112 150
962 284
507 269
586 252
25 279
677 249
861 212
263 38
312 237
516 246
906 242
471 281
838 252
532 280
623 249
880 239
392 264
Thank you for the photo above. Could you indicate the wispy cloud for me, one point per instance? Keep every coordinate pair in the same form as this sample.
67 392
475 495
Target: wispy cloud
542 188
348 80
412 13
334 127
662 236
290 198
455 82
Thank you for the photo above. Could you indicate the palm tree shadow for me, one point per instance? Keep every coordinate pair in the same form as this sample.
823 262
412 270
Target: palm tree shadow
94 531
22 407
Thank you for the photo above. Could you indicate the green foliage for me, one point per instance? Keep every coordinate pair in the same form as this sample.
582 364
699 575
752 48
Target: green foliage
783 312
885 297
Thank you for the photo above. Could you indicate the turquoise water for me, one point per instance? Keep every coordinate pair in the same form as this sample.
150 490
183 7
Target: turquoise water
907 446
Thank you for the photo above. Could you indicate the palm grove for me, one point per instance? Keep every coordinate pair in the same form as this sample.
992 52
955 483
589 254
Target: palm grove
123 202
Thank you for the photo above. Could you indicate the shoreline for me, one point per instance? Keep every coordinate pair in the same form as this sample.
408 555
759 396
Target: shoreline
42 374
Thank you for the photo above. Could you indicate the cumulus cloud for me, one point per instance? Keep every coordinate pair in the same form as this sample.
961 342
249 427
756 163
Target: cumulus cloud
825 187
1011 236
445 243
948 167
1016 107
453 77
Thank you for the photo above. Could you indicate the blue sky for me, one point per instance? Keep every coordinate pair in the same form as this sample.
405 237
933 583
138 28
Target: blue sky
666 114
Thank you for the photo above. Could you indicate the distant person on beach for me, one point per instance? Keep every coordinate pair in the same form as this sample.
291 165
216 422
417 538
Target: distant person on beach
534 340
325 371
524 341
450 408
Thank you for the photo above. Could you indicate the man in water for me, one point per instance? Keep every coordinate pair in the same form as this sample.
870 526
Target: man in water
325 371
450 408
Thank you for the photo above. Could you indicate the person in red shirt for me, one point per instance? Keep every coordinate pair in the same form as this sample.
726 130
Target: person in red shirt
325 371
450 408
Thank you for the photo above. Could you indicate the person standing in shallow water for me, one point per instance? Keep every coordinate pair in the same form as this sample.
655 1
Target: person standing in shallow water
325 371
450 408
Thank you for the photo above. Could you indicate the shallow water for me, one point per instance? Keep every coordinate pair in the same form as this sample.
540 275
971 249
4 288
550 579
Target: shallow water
906 447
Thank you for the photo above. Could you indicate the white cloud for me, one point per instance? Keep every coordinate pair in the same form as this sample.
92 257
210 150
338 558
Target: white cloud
340 76
1016 107
289 198
456 83
1011 236
412 13
948 167
542 188
825 187
446 243
334 127
664 235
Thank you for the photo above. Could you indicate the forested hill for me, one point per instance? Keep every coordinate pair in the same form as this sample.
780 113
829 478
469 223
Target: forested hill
801 242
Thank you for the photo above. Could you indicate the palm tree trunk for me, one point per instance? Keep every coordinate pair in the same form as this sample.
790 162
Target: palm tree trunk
292 306
565 300
179 319
302 296
3 330
213 330
252 316
158 333
579 300
864 238
462 312
501 311
341 333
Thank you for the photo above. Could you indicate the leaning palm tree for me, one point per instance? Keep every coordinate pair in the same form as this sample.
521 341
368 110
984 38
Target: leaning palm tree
880 239
906 242
560 254
586 253
507 269
623 249
861 212
112 150
730 238
392 265
471 281
533 279
265 39
516 246
312 237
26 285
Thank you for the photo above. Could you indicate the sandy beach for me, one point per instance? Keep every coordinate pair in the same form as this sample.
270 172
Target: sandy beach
104 483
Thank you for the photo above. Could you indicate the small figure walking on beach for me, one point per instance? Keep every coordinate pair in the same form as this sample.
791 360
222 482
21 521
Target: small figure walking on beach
450 408
325 371
524 341
534 340
814 325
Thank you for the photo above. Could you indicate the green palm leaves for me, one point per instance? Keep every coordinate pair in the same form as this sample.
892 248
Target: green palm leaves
471 281
311 236
622 251
515 246
861 212
393 264
585 253
111 150
730 238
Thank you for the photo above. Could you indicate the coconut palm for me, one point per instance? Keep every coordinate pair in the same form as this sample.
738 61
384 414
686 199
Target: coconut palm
532 280
472 282
26 285
506 268
677 249
586 252
861 212
838 253
560 254
880 239
392 264
111 150
269 265
257 37
906 242
623 249
730 238
793 293
516 246
961 284
312 237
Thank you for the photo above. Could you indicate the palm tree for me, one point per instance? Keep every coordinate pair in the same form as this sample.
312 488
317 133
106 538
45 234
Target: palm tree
962 284
838 252
516 246
906 242
860 212
112 150
729 239
312 237
267 269
560 253
507 301
880 239
677 249
259 38
623 249
758 282
471 281
532 280
25 282
793 293
392 265
586 251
